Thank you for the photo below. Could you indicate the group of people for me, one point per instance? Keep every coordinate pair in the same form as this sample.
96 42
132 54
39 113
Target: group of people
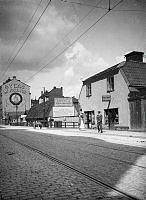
98 120
37 124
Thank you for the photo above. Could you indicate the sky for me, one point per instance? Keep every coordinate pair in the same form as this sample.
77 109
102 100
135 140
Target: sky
59 51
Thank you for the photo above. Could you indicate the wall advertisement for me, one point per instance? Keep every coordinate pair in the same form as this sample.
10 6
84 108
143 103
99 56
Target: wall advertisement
66 101
63 111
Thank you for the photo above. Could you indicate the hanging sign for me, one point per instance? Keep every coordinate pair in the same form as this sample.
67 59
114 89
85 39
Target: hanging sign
106 97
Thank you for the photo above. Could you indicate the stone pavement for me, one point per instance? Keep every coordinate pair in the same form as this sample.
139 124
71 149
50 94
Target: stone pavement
26 175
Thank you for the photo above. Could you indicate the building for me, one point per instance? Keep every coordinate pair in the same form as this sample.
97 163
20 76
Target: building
119 92
14 100
54 110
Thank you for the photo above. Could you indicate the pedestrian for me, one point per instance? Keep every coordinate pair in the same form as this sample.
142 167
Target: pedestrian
40 125
99 121
34 124
81 120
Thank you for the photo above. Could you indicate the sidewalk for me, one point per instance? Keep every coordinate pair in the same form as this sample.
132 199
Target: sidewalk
137 139
112 133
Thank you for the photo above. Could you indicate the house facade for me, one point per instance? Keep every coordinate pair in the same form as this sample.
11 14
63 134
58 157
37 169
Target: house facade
119 92
14 100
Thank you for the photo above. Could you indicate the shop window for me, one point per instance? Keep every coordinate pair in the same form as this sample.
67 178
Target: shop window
111 115
110 84
88 90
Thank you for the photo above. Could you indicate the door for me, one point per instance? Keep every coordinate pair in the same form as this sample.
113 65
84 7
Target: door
90 119
135 114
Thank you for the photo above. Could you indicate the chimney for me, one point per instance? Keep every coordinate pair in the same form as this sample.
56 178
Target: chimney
14 77
135 56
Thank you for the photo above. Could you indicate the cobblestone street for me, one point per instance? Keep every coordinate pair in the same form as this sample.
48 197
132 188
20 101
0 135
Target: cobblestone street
27 175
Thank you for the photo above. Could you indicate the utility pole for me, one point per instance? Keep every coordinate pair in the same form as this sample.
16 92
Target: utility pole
44 108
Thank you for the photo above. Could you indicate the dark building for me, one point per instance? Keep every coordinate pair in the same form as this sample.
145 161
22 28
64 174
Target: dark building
54 110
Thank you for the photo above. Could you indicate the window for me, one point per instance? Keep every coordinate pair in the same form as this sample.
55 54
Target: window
111 114
88 90
110 84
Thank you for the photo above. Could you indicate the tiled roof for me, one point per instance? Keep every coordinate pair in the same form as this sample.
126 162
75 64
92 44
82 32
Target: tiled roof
135 73
104 74
38 111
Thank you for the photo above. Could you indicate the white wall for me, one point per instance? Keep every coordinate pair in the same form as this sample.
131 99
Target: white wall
118 98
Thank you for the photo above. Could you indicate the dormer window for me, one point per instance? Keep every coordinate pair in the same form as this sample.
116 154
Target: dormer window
110 84
88 90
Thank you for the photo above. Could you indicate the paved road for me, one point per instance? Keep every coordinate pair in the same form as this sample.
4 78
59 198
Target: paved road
118 165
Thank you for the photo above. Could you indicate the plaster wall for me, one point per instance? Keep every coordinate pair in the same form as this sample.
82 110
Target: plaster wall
15 86
118 98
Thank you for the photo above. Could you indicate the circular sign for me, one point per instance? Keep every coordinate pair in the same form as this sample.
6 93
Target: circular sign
15 98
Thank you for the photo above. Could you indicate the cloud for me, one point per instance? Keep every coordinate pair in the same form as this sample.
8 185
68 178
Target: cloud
80 64
37 51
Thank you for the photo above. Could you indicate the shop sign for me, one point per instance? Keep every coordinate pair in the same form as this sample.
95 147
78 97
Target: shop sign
106 97
63 111
63 102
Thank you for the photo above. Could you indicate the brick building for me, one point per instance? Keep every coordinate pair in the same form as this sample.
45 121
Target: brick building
119 92
14 100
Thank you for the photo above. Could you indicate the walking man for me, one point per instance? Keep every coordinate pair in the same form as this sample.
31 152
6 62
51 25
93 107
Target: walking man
99 121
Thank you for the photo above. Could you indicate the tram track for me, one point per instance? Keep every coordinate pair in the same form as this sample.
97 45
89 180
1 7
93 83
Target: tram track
69 166
105 147
107 157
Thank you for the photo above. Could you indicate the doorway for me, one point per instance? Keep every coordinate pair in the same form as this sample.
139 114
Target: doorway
89 119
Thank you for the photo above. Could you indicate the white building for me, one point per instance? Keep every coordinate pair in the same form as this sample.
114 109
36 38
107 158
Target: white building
119 92
14 100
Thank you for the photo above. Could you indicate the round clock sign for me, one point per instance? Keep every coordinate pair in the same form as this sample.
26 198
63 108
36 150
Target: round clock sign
15 98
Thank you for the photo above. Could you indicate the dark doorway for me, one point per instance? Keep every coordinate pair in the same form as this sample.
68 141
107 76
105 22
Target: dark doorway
89 119
111 117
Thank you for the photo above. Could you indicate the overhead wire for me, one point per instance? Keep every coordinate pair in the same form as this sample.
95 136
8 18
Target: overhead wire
89 5
66 35
29 22
83 4
27 37
71 44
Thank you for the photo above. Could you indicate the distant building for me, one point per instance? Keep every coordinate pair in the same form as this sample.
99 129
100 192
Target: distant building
14 100
119 92
55 110
34 102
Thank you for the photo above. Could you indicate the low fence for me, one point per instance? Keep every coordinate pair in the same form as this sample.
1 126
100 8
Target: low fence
65 122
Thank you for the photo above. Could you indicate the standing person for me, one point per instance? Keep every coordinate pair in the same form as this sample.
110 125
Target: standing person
40 125
81 118
99 121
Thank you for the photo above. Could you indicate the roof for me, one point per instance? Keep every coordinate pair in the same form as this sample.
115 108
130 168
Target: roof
55 92
133 72
104 74
10 80
37 111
